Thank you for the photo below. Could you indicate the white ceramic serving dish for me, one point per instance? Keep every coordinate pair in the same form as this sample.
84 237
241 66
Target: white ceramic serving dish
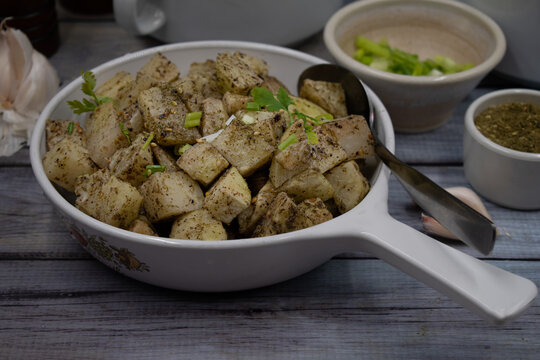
492 293
279 22
519 21
426 28
507 177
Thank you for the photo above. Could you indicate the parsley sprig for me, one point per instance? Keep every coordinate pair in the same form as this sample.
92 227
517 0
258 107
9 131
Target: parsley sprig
264 98
88 104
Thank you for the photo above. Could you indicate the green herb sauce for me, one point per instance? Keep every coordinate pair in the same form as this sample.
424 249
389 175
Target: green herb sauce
513 125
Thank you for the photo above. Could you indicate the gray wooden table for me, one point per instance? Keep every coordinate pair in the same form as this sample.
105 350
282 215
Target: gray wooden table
57 302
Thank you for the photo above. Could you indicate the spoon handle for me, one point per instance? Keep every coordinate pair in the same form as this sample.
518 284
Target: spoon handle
493 293
467 224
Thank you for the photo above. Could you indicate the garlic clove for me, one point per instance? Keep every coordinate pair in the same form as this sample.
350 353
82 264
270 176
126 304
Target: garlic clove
6 75
464 194
20 56
470 198
432 226
38 87
27 83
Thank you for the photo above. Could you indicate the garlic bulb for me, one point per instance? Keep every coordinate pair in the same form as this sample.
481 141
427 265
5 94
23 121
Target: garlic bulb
27 83
464 194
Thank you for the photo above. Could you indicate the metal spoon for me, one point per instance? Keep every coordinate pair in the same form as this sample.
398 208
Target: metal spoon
467 224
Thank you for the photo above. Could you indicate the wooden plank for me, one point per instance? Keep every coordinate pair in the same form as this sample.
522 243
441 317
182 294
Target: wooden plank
29 227
20 158
344 309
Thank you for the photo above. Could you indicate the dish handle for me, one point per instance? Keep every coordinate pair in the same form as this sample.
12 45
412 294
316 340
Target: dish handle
140 17
493 293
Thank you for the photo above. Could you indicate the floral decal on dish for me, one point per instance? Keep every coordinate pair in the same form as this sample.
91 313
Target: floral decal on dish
116 258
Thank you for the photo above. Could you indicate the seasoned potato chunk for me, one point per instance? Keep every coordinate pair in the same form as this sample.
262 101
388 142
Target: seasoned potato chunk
295 156
300 156
131 118
307 107
202 162
66 161
326 153
205 69
267 124
228 197
328 95
56 130
129 163
308 184
296 128
278 219
350 186
164 114
259 205
235 102
235 75
311 212
353 135
112 86
160 68
198 225
257 64
273 84
170 194
127 96
108 199
189 93
279 175
104 135
141 225
205 77
164 158
214 116
242 149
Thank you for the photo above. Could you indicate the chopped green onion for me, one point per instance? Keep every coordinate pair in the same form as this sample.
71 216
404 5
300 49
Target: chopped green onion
70 127
125 132
248 119
372 47
380 63
325 117
311 136
150 169
179 150
381 56
253 106
148 141
288 141
359 54
193 119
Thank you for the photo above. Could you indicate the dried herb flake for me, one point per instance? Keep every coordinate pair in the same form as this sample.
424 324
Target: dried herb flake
514 125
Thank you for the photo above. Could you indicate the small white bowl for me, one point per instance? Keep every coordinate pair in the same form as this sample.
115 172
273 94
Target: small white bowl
504 176
426 28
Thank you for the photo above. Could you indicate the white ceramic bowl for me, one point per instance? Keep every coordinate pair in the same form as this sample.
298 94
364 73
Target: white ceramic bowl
280 22
519 21
507 177
426 28
249 263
